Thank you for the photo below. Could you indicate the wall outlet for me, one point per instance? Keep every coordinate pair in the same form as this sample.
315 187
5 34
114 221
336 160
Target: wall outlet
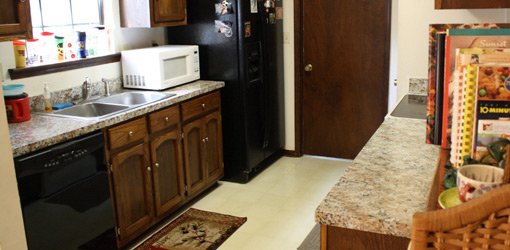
286 38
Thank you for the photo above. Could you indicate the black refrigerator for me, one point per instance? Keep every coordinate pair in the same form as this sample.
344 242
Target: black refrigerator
241 43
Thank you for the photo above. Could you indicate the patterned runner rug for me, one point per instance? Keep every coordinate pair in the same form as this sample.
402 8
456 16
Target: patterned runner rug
194 229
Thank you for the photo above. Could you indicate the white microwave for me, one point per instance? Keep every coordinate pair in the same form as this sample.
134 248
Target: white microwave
161 67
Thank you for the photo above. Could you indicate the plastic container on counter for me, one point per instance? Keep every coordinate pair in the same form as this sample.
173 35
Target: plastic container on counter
19 48
82 46
47 44
71 47
33 52
59 42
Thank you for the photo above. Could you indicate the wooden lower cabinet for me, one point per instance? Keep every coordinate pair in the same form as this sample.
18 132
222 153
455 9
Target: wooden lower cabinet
203 151
132 188
168 176
337 238
194 160
158 163
213 147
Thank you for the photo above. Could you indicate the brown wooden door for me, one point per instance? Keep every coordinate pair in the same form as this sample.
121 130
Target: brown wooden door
168 176
194 162
345 92
213 147
169 11
132 189
15 20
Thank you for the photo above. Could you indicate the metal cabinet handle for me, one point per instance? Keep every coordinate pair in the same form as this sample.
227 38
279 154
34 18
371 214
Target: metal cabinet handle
149 169
130 133
203 105
207 139
308 68
203 140
166 119
156 165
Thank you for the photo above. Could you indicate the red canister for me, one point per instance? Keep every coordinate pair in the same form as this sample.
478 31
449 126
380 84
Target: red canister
18 108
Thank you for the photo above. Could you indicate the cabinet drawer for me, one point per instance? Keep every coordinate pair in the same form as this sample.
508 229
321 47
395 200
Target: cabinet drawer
200 105
165 118
127 133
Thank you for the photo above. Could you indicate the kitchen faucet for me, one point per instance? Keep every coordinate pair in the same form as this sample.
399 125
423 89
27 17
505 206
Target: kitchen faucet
106 87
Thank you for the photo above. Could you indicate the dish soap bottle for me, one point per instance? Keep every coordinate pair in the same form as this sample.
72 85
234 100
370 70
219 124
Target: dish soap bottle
47 99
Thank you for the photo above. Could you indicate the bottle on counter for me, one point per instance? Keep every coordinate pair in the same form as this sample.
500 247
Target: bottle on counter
19 47
59 42
33 52
82 38
47 52
47 99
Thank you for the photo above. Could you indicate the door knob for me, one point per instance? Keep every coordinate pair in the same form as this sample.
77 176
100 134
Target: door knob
308 67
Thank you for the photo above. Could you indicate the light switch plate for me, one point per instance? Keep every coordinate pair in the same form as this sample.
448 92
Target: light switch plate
286 38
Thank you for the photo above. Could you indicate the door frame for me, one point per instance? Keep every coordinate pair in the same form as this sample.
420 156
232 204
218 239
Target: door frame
298 78
298 74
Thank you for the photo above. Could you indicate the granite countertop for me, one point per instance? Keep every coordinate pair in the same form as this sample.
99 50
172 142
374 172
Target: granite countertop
43 130
387 182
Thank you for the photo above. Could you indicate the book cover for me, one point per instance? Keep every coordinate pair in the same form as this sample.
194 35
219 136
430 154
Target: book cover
492 132
453 43
457 115
468 107
437 104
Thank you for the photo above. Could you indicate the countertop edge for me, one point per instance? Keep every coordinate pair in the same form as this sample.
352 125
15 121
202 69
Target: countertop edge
184 92
341 206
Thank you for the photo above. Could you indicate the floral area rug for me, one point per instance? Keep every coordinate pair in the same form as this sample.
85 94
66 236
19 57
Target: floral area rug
194 229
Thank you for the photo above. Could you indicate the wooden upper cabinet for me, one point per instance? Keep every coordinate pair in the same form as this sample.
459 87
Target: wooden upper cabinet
471 4
153 13
166 11
15 20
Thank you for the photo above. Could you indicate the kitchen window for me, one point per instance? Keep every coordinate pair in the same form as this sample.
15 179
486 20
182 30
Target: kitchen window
65 16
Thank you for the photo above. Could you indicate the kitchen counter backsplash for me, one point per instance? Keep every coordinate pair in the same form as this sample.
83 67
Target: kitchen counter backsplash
74 94
418 86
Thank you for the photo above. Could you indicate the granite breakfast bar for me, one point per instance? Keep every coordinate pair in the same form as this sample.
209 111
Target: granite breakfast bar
372 205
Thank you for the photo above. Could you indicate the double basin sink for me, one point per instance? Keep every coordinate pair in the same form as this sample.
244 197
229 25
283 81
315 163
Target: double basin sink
110 105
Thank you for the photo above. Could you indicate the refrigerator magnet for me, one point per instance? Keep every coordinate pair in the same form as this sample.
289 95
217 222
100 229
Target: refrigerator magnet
279 13
253 6
247 29
223 27
272 18
223 8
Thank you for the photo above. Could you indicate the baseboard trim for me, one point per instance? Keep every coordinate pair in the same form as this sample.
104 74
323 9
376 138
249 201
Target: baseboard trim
291 153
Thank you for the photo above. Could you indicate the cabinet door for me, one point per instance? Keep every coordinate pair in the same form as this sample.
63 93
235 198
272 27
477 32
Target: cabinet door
194 141
15 19
471 4
167 171
132 190
165 11
213 146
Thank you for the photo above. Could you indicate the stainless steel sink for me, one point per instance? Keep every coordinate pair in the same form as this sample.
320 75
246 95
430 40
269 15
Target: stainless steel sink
106 106
134 98
91 110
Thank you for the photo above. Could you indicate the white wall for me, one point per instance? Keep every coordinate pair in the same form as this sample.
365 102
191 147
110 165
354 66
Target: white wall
123 39
12 234
413 20
288 53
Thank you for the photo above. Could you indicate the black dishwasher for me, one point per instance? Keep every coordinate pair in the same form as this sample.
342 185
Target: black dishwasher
65 196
